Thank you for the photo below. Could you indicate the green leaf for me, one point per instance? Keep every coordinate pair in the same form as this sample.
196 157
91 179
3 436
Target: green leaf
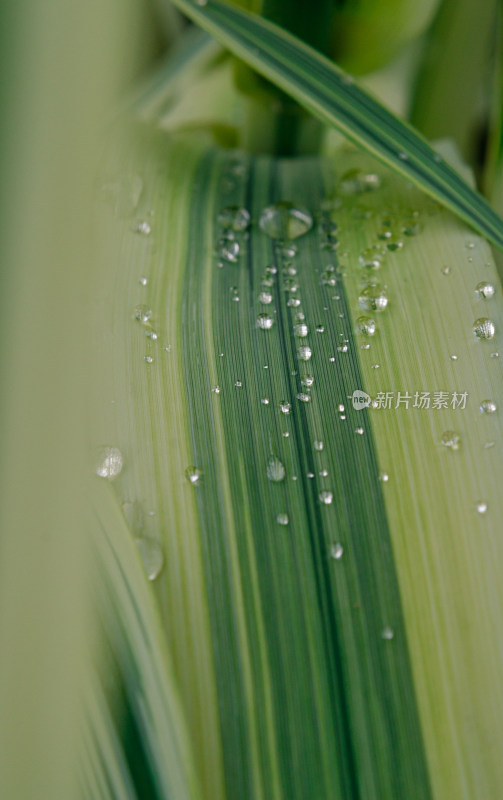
329 94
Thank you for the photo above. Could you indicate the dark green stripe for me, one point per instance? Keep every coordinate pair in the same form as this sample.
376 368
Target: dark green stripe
363 739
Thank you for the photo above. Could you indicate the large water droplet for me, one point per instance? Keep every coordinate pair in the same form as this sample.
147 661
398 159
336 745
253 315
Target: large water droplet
307 380
193 475
265 321
373 298
151 554
304 353
265 298
484 328
109 462
488 407
142 313
366 325
275 470
485 290
451 440
285 221
234 217
285 407
304 397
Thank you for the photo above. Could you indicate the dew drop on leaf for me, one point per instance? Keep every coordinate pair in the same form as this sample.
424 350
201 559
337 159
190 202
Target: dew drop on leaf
193 475
485 290
285 221
275 470
265 321
336 551
488 407
234 217
484 328
451 440
109 462
373 298
151 554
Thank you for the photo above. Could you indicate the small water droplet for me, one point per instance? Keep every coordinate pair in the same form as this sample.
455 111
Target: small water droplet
148 359
282 519
393 243
489 445
336 551
265 401
403 156
366 325
303 397
326 497
285 221
265 321
304 353
484 328
229 251
153 335
293 302
193 475
360 431
307 380
143 227
320 329
370 258
445 270
412 228
485 290
275 470
323 473
143 281
494 355
481 507
488 407
318 445
453 357
109 462
365 346
387 633
265 298
238 384
301 330
142 314
285 407
216 389
373 298
151 554
451 440
234 217
355 181
289 251
384 477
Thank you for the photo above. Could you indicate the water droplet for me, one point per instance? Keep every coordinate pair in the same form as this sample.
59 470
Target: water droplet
336 551
289 251
494 355
359 431
304 353
320 329
148 359
151 554
387 633
238 384
412 228
488 445
285 221
143 227
365 346
318 445
342 348
193 475
216 389
328 276
301 330
384 477
143 281
282 519
326 497
481 507
453 357
403 156
484 328
275 470
142 314
150 334
293 302
488 407
370 258
109 462
307 380
323 473
373 298
485 290
201 3
451 440
285 407
265 401
303 397
445 270
229 251
265 298
366 325
265 321
354 181
235 218
393 243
